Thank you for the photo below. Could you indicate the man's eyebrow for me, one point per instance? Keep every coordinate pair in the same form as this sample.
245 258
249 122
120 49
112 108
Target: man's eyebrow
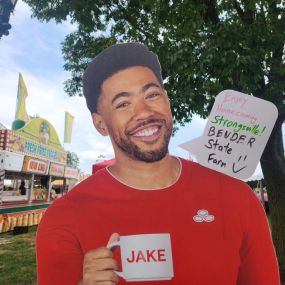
149 85
143 89
121 94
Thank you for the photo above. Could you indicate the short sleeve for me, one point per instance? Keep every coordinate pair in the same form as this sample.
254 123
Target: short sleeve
258 259
59 255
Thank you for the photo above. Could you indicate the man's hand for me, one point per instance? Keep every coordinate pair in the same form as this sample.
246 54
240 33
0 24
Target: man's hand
99 266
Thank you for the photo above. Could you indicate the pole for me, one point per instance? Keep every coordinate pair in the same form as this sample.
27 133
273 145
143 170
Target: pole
49 188
31 189
2 177
64 187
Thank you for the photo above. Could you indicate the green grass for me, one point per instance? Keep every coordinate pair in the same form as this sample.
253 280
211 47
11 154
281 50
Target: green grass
18 258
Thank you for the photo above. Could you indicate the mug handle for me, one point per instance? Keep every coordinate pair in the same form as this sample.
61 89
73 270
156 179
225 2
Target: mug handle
110 246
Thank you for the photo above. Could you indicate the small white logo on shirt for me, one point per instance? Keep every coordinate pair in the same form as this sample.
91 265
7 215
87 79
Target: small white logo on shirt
203 216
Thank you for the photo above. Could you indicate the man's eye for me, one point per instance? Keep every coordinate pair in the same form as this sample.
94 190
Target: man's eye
122 105
152 95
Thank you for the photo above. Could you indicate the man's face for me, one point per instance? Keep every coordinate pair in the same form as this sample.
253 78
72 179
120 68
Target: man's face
135 111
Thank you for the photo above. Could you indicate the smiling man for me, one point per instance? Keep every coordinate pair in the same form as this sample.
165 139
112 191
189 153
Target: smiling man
139 120
219 232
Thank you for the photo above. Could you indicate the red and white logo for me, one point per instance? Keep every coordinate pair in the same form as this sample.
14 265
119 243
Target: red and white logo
203 216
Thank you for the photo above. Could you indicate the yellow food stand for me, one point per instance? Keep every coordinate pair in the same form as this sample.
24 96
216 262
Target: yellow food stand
31 157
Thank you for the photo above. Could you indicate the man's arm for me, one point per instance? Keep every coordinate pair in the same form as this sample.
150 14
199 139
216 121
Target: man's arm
60 259
59 256
258 259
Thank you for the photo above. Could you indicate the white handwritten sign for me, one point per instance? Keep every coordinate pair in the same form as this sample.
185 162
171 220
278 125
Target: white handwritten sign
235 135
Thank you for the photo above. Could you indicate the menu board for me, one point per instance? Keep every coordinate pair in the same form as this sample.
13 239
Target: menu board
56 169
71 172
36 166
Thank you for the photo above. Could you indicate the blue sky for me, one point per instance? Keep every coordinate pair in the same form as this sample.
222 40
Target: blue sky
34 49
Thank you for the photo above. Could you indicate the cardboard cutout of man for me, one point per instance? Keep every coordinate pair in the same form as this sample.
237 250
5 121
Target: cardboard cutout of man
219 231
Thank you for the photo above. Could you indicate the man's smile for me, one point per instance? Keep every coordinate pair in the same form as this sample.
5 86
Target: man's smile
148 133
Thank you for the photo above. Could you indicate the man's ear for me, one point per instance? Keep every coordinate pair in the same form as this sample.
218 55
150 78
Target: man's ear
99 124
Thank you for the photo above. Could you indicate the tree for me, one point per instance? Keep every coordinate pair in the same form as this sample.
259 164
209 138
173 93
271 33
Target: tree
205 46
6 8
72 159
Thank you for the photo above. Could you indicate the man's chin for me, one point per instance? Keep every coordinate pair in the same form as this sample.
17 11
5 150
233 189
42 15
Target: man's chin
146 152
149 156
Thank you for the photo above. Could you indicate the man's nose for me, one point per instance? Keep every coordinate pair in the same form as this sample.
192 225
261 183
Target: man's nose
142 110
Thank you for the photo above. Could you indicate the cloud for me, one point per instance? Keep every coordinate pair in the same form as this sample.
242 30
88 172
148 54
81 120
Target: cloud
67 26
21 14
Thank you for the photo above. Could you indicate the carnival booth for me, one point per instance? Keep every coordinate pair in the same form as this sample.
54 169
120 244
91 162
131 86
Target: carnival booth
27 170
31 158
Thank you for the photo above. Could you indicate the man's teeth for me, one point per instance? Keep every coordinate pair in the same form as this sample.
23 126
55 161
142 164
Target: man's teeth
146 132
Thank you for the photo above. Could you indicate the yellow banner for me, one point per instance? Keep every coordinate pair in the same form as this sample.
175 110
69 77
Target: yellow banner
21 113
68 127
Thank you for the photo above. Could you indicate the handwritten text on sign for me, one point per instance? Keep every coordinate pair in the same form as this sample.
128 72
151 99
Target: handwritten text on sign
236 134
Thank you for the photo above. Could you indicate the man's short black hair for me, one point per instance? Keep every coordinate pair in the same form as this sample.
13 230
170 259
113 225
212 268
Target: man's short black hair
111 60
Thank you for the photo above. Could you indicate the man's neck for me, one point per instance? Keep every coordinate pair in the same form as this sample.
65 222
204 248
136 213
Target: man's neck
146 176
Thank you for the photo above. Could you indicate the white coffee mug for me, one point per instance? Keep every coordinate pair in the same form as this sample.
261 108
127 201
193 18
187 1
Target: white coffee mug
145 257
